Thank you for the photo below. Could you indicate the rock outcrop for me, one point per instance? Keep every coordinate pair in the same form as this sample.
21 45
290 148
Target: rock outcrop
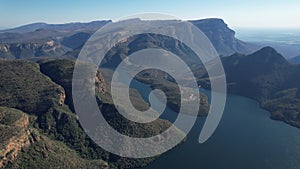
223 38
15 134
62 98
45 48
100 82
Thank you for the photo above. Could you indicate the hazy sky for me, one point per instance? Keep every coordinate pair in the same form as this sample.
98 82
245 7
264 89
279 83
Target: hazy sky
237 13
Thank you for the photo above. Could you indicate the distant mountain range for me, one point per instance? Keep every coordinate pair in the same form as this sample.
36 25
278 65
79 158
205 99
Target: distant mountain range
285 40
74 27
55 40
295 60
36 108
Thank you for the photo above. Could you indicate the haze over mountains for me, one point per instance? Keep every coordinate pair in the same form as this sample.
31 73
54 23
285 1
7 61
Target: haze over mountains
55 40
295 60
286 41
38 95
74 27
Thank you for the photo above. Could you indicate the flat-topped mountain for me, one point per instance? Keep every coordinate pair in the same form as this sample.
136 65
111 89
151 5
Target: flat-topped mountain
70 36
75 27
223 38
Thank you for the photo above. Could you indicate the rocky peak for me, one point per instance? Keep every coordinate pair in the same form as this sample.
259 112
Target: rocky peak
268 55
222 37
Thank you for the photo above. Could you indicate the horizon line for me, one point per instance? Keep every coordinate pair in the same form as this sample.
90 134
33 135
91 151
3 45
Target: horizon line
114 20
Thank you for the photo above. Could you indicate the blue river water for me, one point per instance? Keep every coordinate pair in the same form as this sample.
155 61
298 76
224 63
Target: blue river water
246 138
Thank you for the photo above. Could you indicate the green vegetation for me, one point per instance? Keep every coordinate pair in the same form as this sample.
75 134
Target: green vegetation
158 80
47 153
8 125
35 89
285 106
9 116
24 87
61 72
155 79
266 77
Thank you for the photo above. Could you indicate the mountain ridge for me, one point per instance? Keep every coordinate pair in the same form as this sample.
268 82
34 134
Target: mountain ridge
74 35
295 60
42 91
222 37
60 27
267 77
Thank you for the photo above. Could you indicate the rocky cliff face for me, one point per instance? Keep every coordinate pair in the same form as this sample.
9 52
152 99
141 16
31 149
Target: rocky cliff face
45 40
15 134
46 48
42 40
100 82
223 38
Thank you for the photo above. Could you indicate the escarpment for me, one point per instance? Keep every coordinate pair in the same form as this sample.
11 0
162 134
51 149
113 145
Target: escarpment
15 134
